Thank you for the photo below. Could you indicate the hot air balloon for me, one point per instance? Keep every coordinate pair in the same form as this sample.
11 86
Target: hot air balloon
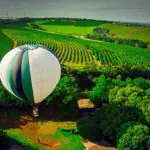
30 72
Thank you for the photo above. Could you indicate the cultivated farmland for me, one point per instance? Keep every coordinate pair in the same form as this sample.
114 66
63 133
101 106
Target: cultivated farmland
75 51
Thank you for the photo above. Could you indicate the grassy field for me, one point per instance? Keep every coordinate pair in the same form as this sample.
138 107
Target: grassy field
70 30
5 44
129 32
120 31
56 27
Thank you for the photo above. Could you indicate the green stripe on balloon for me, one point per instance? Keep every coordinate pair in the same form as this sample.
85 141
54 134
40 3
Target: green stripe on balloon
10 74
26 78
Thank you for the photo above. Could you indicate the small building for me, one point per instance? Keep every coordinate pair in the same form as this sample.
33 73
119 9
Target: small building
86 107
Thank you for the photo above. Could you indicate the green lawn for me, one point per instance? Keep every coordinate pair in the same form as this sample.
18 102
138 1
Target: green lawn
130 32
68 141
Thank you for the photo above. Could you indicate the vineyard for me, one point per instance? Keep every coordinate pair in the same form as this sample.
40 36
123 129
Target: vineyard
78 52
67 53
106 56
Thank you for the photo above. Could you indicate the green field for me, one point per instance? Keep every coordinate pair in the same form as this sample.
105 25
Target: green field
72 30
75 51
119 31
5 44
129 32
55 27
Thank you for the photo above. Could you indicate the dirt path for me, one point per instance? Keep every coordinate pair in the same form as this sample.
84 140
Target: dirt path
93 146
97 62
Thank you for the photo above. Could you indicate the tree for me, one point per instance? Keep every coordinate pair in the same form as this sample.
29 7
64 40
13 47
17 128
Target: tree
7 99
118 83
65 92
142 83
106 122
98 94
129 95
133 136
89 129
132 96
100 31
111 116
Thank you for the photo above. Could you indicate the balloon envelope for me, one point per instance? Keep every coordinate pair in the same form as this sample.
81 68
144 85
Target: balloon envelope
30 72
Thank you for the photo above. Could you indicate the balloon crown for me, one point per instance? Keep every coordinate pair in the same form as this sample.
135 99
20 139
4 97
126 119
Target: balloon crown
31 47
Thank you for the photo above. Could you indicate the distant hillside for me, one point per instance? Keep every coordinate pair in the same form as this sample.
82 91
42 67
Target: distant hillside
135 31
129 32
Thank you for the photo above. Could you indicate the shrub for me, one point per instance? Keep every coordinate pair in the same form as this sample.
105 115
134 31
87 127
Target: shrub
7 99
89 129
133 136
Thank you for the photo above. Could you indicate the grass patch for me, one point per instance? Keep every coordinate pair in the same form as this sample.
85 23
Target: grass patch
71 30
16 135
68 141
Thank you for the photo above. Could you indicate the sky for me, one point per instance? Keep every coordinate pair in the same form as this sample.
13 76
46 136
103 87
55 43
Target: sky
116 10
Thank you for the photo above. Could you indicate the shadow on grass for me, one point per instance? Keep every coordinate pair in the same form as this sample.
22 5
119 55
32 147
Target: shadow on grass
7 143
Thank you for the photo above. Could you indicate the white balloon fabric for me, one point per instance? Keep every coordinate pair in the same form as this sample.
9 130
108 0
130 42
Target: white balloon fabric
30 72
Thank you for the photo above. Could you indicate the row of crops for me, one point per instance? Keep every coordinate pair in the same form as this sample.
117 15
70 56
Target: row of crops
66 52
109 57
77 54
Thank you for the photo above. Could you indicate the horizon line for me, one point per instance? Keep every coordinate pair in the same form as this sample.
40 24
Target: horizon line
32 17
